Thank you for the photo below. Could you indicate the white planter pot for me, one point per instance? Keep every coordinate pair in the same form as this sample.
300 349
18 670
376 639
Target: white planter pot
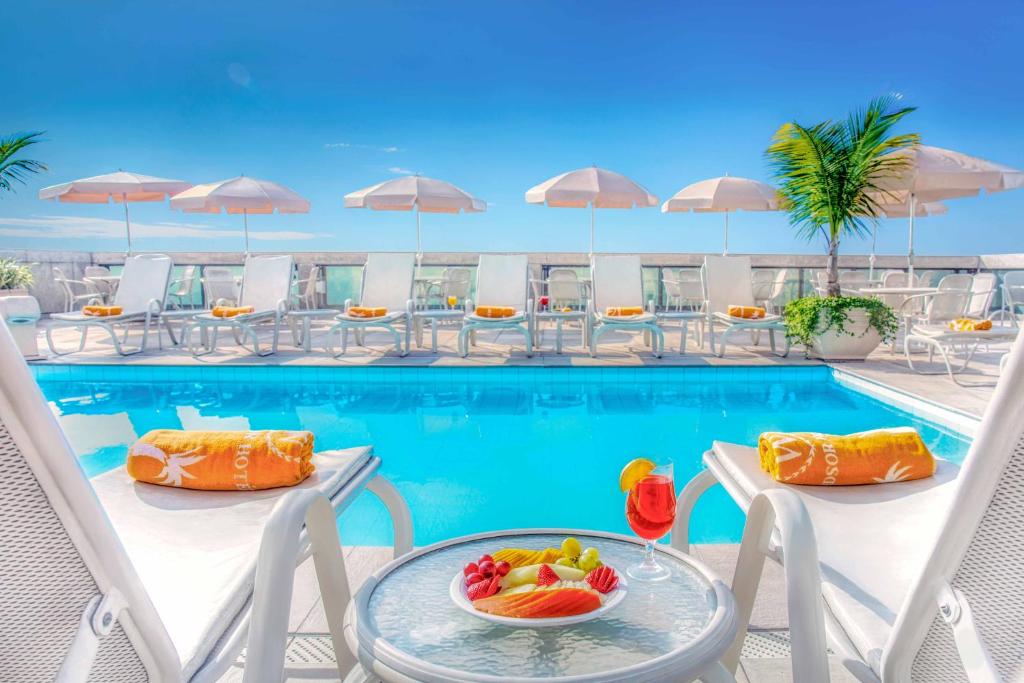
857 344
17 291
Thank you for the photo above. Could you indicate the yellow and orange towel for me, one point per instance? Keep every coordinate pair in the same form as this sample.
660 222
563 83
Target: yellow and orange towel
367 311
231 311
623 311
494 311
748 312
879 456
970 325
101 311
222 461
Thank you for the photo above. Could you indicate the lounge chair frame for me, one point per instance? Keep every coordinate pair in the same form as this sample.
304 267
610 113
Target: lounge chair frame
118 626
156 271
242 327
617 281
381 284
727 282
491 275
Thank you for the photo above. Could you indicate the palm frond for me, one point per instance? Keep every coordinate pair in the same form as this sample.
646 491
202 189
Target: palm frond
16 170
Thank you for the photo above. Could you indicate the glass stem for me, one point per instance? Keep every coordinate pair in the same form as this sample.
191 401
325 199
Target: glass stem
649 553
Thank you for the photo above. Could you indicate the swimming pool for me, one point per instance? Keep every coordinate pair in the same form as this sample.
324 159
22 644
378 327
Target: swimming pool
479 449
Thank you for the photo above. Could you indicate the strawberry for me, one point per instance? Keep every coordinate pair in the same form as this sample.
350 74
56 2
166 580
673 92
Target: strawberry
484 588
546 576
603 579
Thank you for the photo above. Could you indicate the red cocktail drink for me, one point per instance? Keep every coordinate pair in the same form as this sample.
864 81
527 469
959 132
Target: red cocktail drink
651 507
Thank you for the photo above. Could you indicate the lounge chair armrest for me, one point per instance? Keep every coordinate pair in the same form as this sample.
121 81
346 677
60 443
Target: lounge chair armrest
410 306
154 306
282 307
781 511
348 304
470 306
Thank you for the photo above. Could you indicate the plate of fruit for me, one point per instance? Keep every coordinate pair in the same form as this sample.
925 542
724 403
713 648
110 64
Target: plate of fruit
538 588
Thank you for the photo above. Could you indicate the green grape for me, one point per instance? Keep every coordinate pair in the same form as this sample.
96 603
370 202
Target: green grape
588 562
591 551
571 548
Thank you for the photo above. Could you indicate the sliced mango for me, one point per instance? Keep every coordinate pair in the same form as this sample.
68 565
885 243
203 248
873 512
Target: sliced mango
522 557
564 602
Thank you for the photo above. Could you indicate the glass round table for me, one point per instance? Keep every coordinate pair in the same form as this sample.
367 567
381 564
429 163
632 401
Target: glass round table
403 626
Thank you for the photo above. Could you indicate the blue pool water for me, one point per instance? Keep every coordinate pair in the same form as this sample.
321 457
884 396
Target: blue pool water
481 449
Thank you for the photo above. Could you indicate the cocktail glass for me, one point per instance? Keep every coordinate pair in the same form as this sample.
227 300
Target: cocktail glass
651 511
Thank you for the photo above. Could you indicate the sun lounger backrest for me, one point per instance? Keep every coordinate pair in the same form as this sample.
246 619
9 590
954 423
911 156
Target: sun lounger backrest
983 288
266 280
618 280
58 550
145 277
387 280
503 280
728 282
980 552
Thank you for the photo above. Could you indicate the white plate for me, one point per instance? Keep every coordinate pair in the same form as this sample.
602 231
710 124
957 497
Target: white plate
457 591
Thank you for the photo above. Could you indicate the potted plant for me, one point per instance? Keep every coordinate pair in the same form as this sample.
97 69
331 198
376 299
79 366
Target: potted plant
829 177
15 278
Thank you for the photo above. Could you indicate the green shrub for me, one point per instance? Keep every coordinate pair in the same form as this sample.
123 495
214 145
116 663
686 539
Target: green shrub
802 317
14 275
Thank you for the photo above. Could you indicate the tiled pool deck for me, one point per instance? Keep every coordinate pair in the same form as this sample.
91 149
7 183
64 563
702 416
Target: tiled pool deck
309 653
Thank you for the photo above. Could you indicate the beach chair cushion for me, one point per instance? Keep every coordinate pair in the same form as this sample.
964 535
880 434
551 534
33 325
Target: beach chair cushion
872 540
196 551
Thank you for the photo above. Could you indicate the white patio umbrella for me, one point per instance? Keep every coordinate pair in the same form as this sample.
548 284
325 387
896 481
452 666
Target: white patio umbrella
921 210
725 195
415 193
242 195
121 186
594 187
937 174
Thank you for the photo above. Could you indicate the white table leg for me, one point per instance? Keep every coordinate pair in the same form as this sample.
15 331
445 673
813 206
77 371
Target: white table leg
558 336
307 333
433 335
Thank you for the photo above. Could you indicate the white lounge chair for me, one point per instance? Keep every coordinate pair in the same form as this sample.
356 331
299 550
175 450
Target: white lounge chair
113 580
501 280
387 283
266 286
727 281
950 344
912 581
618 282
141 296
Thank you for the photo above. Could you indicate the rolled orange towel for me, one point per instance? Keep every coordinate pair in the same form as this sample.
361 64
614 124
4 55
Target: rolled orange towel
101 311
879 456
494 311
749 312
623 311
970 325
231 311
367 312
221 461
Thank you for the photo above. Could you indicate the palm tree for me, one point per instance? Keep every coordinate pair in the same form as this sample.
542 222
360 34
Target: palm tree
829 174
16 170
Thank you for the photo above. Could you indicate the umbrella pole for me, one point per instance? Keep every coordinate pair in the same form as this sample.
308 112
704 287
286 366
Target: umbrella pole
725 248
591 230
871 259
127 222
245 222
419 248
910 247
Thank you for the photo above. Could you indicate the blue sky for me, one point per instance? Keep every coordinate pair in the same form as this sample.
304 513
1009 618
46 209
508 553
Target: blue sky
329 97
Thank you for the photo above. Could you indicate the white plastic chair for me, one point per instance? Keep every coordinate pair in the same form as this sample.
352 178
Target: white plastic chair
618 282
309 288
684 293
220 288
67 288
1013 294
387 283
141 296
114 580
266 286
728 283
501 280
180 292
911 581
851 281
104 287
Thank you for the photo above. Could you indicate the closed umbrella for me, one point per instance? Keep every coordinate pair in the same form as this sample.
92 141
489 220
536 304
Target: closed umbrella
595 187
725 195
240 195
121 186
935 174
415 193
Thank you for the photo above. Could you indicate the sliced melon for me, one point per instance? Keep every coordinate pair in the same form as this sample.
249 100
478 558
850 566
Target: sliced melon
528 574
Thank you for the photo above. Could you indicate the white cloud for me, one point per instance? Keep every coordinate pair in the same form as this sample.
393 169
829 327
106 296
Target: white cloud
400 171
81 227
390 149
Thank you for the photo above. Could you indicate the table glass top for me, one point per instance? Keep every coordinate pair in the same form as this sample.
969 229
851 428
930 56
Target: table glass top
412 611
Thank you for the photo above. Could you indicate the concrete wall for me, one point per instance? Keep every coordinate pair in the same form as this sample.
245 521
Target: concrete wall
73 263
